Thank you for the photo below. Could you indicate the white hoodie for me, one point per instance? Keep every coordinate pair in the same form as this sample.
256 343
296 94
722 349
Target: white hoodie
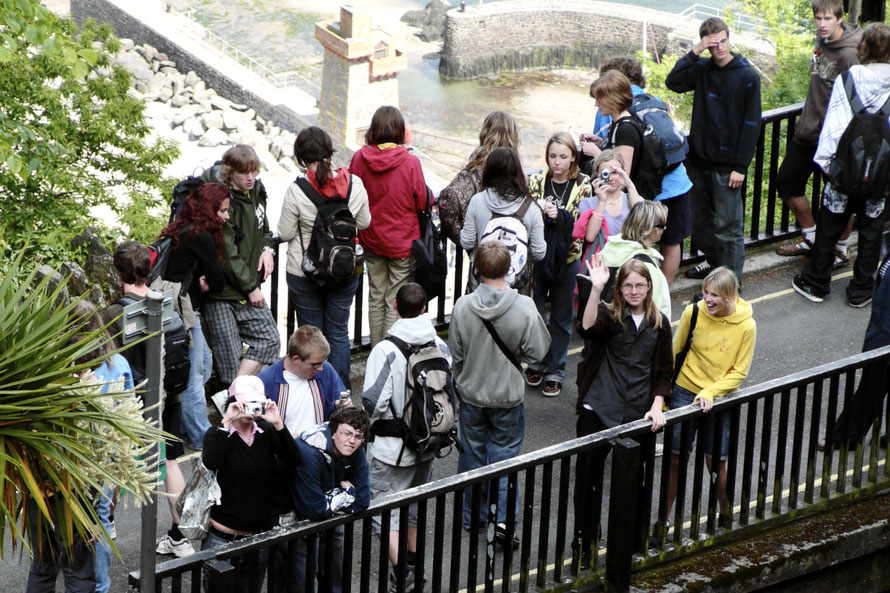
385 381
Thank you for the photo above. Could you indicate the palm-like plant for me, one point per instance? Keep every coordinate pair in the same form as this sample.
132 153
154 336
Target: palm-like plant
59 434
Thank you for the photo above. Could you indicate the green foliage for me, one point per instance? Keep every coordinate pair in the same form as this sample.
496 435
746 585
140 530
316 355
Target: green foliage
59 434
72 140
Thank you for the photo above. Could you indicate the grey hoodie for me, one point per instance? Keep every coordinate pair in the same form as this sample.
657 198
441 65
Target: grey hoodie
482 372
483 204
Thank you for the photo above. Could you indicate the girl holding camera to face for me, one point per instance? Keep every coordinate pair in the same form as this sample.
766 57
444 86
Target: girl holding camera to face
615 195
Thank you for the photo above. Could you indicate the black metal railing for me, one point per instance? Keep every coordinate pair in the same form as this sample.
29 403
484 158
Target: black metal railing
766 221
775 473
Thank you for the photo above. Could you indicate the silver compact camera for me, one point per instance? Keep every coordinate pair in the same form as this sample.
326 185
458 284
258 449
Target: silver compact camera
605 174
253 409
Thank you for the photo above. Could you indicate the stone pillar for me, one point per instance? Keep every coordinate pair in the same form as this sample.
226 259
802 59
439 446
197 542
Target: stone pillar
359 74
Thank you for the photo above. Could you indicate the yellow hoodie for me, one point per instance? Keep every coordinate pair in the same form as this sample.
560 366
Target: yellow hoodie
721 350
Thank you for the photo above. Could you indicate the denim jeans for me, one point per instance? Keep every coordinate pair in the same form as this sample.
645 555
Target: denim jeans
103 550
193 412
681 397
561 295
243 565
328 310
718 218
289 570
489 435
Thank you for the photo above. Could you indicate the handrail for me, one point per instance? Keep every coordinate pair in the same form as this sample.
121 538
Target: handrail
774 473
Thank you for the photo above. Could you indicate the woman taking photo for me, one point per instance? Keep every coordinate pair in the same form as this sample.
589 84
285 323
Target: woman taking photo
397 191
249 452
505 193
614 195
325 307
625 377
641 231
498 130
559 189
196 262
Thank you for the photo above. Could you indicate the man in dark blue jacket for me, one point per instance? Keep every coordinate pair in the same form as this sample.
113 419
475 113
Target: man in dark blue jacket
332 477
722 138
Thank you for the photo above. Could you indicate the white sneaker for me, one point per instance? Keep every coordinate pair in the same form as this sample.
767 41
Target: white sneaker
112 531
659 449
181 548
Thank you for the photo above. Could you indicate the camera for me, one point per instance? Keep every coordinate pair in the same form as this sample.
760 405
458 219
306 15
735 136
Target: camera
253 408
605 174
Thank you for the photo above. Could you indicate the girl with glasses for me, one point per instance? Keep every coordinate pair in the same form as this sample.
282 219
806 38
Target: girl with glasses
626 376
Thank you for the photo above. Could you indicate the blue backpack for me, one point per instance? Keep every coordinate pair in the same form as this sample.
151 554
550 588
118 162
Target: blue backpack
654 112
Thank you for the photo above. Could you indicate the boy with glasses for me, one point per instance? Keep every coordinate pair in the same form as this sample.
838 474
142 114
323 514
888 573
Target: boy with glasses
303 384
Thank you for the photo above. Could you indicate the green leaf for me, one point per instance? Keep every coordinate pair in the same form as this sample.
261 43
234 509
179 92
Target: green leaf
14 162
5 54
32 35
80 69
89 55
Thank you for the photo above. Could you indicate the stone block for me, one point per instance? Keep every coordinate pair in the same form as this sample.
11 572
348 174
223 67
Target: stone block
214 120
213 137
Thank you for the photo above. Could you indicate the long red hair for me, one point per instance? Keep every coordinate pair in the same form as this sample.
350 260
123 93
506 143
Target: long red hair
200 211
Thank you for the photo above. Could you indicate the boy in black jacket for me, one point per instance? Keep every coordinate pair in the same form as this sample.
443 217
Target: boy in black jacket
723 135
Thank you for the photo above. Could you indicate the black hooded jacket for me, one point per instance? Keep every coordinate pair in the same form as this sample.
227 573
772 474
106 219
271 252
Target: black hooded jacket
725 110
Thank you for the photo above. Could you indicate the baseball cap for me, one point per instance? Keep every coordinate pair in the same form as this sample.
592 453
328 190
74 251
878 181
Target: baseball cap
247 388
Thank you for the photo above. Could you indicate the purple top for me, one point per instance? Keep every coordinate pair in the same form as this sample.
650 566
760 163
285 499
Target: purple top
614 222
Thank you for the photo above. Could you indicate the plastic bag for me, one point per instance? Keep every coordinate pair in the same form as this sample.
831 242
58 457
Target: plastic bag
194 502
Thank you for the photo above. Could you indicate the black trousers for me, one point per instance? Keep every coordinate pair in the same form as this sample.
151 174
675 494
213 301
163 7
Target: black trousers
817 271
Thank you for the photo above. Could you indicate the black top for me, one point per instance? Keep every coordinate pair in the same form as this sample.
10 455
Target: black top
193 257
558 193
627 134
247 475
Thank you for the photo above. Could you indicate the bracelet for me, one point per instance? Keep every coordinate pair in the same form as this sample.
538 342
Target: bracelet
598 215
267 249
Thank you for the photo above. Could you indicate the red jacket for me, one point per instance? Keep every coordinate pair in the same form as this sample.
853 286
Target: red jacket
396 192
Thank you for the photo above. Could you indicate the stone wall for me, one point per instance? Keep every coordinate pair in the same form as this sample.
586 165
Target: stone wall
537 34
127 26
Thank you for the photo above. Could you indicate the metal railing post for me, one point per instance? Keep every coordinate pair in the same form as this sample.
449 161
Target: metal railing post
626 455
151 398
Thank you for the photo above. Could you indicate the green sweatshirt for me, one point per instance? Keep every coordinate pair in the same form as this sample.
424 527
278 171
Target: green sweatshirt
245 235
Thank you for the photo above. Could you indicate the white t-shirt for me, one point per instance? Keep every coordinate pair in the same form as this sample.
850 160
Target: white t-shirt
299 408
638 319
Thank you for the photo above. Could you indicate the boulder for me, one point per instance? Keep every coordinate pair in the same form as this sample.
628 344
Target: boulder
177 85
171 72
140 87
213 137
143 75
163 57
194 127
126 44
199 86
203 107
55 279
78 284
430 20
220 102
165 63
287 163
157 82
214 120
155 67
131 61
165 94
179 100
250 114
238 106
149 53
232 119
183 113
191 78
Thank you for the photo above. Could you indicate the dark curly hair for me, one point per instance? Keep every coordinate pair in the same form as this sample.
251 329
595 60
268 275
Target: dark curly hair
199 210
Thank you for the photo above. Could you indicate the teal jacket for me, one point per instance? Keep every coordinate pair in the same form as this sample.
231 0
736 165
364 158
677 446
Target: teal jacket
245 235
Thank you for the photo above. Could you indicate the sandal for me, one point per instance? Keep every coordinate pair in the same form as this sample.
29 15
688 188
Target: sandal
798 246
841 259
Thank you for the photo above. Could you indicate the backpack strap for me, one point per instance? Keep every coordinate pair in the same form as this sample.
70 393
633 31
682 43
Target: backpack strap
526 204
500 343
681 355
644 258
850 88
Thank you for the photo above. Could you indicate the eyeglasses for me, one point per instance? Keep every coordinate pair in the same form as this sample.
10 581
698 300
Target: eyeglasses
627 286
351 435
316 365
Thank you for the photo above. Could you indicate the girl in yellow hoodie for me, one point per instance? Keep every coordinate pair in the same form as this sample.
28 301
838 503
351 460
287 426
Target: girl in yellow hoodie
716 364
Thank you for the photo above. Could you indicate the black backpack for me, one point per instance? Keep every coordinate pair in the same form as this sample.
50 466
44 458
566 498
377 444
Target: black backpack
653 163
428 424
176 354
429 253
609 289
330 257
861 165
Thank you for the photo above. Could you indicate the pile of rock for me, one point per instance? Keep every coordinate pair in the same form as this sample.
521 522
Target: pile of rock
430 20
203 116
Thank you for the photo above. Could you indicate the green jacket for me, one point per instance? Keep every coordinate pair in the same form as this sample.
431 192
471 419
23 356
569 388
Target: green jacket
245 235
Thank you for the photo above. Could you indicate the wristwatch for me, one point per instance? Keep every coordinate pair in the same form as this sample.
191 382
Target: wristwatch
267 249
